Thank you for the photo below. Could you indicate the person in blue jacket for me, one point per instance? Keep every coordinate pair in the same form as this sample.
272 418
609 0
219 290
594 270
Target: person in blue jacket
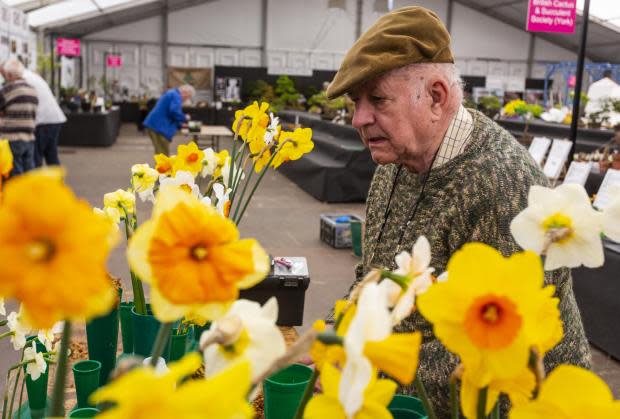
167 117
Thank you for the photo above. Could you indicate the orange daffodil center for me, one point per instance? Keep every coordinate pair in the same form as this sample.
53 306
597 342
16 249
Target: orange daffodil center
492 322
193 258
41 250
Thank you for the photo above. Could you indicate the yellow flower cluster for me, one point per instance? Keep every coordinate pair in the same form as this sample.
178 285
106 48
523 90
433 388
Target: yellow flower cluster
514 107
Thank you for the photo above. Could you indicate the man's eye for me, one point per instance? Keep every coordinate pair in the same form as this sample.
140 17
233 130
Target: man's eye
376 98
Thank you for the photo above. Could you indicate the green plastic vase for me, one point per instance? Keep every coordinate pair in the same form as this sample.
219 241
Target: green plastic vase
102 339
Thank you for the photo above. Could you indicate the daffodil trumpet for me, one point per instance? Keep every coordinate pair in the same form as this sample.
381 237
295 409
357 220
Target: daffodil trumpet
58 394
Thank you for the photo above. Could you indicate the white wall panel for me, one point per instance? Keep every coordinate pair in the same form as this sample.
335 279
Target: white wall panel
202 57
219 22
146 30
476 68
276 59
546 51
151 71
369 16
178 57
497 68
250 58
322 61
227 56
517 70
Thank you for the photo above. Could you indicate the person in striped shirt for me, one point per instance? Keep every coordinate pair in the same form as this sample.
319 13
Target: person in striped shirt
18 110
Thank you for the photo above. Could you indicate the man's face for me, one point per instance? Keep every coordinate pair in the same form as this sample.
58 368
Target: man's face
393 117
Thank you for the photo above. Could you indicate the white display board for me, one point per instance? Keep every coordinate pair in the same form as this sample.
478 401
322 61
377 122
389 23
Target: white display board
578 172
538 148
611 182
557 157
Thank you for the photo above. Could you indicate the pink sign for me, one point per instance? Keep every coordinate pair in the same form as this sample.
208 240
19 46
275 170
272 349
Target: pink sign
114 61
68 47
551 16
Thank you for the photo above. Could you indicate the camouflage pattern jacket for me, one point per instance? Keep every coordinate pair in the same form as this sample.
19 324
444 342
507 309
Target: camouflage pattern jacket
472 197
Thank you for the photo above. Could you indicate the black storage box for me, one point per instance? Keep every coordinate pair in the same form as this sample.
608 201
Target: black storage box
288 285
337 235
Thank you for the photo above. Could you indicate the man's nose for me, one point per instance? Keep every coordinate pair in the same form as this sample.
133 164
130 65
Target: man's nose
362 115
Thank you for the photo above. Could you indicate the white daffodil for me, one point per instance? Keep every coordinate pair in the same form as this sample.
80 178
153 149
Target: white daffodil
120 201
47 337
372 323
611 216
209 162
184 180
561 224
19 329
223 201
415 267
2 308
143 179
272 129
256 338
38 367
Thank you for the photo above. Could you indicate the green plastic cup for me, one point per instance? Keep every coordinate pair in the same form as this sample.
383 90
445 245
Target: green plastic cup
85 412
145 328
178 345
86 374
407 407
284 389
126 327
356 237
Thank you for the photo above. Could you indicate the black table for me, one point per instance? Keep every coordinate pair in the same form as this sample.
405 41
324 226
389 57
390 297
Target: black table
91 129
598 296
130 111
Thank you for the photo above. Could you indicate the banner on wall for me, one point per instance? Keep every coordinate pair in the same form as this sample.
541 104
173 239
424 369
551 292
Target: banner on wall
551 16
68 47
114 61
199 78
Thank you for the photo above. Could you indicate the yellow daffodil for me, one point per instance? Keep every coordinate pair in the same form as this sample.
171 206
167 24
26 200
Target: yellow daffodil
121 200
261 160
164 164
142 393
369 340
6 159
561 224
255 126
331 404
498 310
223 165
58 255
189 158
193 258
182 180
611 216
514 107
415 268
293 145
322 353
570 392
258 339
143 179
37 364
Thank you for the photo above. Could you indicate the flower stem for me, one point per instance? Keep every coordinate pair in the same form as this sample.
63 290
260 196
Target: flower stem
482 403
495 412
19 374
419 386
21 398
3 322
5 334
454 399
58 394
163 335
399 279
330 338
309 390
138 294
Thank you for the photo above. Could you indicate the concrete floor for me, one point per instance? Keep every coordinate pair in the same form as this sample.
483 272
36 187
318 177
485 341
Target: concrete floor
282 217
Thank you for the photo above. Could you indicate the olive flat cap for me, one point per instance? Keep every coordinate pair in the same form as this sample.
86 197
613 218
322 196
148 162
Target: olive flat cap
405 36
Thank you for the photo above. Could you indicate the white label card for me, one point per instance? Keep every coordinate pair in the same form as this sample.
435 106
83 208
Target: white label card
578 172
538 148
557 157
611 182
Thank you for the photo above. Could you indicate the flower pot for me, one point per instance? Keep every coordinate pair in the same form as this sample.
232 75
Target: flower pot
145 328
407 407
195 336
178 345
284 390
37 394
86 412
126 327
86 374
102 339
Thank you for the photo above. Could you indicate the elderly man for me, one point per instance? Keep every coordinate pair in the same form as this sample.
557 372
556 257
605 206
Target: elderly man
18 110
167 117
445 172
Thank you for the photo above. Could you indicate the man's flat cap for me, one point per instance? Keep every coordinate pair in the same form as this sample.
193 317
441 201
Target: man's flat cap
405 36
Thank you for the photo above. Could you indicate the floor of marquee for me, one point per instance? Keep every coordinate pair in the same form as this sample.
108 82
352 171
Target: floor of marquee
281 216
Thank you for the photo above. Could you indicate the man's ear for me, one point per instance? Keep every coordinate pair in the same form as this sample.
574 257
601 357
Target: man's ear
438 91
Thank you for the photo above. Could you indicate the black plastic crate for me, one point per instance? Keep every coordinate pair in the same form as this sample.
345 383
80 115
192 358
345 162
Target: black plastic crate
337 235
288 285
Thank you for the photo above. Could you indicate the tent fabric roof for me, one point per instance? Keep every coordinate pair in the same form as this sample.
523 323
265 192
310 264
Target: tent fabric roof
80 17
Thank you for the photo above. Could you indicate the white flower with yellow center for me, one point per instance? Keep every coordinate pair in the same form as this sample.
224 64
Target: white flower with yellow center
223 200
38 364
120 201
2 308
47 336
183 180
611 216
414 267
272 130
19 329
561 224
253 336
210 162
143 179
